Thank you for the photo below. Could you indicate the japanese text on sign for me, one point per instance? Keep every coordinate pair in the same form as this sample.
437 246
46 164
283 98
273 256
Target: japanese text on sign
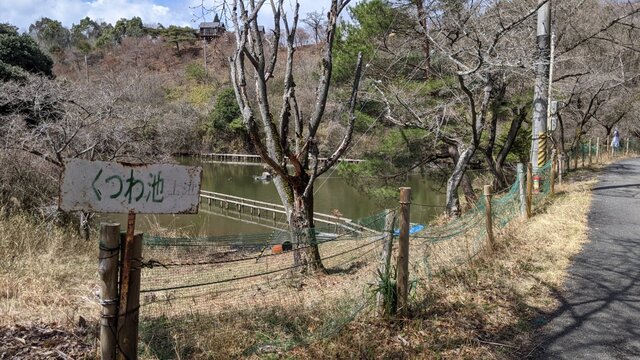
113 187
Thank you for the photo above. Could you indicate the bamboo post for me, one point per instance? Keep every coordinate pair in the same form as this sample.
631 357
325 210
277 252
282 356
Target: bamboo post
529 188
402 280
108 270
125 274
561 161
598 150
552 181
590 159
487 198
521 187
128 334
385 255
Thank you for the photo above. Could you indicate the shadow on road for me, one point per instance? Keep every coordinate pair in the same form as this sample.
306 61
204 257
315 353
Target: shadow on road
599 313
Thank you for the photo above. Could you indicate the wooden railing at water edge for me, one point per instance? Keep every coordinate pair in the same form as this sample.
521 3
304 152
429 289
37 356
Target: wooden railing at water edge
252 159
262 208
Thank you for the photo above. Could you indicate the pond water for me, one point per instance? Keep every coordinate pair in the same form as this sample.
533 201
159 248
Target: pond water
331 193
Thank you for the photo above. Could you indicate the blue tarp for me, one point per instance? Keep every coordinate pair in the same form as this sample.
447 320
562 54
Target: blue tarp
412 230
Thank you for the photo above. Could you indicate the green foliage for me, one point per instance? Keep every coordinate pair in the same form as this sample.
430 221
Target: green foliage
176 35
396 152
237 125
365 177
123 28
51 33
199 95
20 54
225 110
8 29
363 122
85 34
374 22
195 71
386 287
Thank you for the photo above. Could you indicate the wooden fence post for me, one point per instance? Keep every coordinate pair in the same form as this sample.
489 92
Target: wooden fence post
402 279
626 152
521 187
128 319
529 188
590 159
552 181
487 202
385 255
108 270
597 150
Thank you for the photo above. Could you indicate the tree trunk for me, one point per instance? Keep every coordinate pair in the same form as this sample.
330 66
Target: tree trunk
453 203
516 124
303 236
498 182
426 45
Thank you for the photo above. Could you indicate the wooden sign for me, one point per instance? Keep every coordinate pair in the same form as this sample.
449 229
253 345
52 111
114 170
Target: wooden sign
112 187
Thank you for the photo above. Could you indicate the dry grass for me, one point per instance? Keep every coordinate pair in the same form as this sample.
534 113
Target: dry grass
486 309
47 274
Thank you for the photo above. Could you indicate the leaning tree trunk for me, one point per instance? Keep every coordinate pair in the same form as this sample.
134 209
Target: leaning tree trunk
465 182
303 235
453 203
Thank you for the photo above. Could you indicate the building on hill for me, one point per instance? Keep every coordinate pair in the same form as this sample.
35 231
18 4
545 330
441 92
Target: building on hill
211 30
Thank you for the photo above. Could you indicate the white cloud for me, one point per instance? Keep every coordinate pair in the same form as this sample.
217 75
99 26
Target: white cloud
22 13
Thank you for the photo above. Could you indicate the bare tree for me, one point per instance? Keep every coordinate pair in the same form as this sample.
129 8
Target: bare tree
275 142
315 21
53 121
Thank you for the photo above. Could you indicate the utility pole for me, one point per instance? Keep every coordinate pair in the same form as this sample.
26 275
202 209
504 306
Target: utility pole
541 90
204 46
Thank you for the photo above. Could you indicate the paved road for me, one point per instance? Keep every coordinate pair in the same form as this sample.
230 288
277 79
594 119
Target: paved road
600 313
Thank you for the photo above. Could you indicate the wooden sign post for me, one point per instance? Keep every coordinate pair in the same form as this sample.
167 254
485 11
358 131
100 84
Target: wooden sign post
111 187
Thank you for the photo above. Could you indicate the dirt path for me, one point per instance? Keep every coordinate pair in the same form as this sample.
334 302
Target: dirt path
599 316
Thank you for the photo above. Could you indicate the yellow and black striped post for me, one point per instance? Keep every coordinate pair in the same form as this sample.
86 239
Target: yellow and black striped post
542 150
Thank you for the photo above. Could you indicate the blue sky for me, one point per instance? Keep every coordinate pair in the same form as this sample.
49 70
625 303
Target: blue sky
22 13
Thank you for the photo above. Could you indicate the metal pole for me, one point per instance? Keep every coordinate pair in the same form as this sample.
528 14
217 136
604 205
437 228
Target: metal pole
541 90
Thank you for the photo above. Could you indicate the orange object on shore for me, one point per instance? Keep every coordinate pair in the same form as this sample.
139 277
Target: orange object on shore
276 249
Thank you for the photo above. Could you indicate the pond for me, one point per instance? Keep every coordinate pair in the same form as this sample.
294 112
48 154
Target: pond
332 193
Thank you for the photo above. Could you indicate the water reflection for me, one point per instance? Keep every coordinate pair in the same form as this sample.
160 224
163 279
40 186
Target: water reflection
331 193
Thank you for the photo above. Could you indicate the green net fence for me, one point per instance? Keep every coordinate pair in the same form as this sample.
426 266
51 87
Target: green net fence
245 295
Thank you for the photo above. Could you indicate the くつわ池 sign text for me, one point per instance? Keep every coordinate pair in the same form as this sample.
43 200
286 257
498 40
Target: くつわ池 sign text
112 187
